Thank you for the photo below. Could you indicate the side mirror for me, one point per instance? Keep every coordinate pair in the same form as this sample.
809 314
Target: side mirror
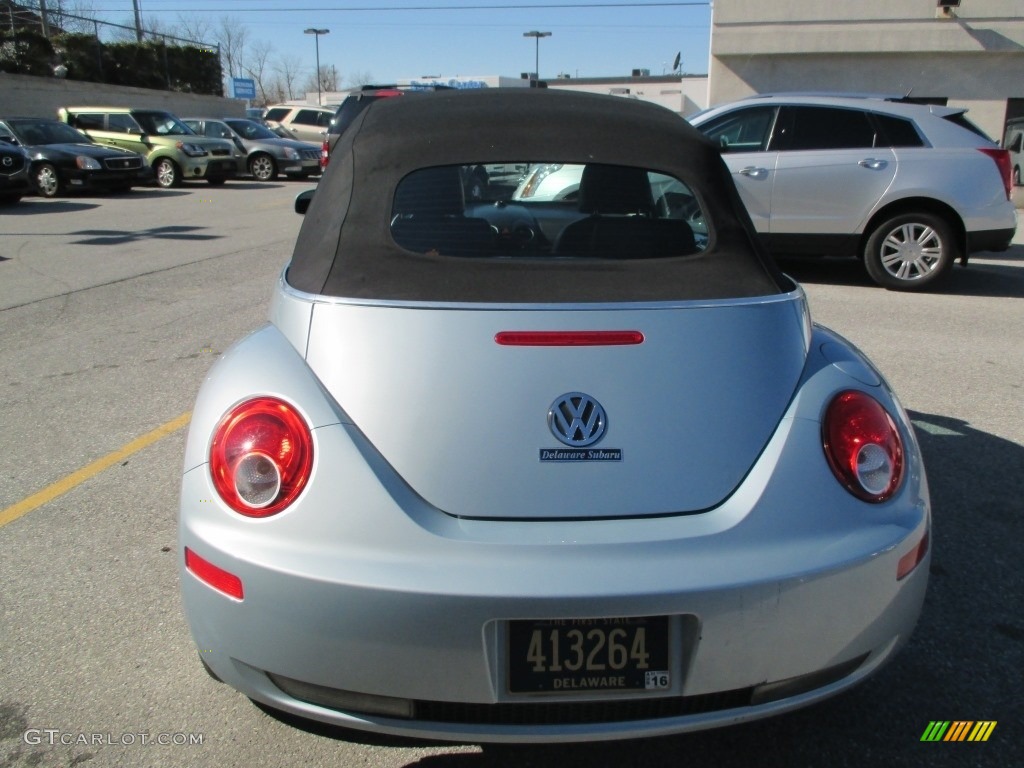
302 201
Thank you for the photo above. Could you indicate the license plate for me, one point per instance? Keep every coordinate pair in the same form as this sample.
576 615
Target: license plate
587 655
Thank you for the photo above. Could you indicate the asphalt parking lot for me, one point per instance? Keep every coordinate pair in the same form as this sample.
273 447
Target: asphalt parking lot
112 309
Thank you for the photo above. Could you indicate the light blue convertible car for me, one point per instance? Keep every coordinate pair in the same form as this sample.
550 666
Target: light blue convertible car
505 469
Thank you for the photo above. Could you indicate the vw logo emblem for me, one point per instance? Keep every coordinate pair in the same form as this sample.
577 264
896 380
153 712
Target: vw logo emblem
577 420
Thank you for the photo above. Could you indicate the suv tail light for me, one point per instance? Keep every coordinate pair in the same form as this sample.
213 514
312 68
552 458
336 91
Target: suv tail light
261 457
863 446
1001 157
325 151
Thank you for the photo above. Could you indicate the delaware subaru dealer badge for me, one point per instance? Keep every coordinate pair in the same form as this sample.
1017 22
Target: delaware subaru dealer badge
579 422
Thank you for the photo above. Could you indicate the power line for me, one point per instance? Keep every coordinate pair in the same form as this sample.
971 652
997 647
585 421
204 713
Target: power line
364 9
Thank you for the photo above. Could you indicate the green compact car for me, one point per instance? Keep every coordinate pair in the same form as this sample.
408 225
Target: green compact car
173 149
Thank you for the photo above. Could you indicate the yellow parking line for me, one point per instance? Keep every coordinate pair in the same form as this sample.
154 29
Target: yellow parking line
59 488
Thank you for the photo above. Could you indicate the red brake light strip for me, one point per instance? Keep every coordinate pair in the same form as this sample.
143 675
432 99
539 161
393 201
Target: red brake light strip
568 338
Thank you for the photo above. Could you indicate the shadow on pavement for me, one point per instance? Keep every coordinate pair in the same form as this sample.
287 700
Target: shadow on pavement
32 206
999 275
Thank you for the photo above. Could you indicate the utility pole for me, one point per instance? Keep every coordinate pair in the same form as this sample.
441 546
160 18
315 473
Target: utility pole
138 21
42 16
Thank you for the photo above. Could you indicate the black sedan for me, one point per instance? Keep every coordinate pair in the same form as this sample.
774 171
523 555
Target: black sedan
64 158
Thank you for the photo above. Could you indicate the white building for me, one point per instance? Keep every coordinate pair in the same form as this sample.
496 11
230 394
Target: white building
966 53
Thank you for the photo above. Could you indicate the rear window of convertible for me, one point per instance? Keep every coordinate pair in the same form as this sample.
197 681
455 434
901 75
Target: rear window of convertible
547 210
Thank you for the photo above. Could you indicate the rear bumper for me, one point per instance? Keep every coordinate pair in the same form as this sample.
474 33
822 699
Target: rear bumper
358 598
990 240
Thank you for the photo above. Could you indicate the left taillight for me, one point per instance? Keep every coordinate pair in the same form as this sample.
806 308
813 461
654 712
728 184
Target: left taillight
1001 157
863 446
261 456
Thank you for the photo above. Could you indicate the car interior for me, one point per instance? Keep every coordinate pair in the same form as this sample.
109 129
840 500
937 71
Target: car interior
618 213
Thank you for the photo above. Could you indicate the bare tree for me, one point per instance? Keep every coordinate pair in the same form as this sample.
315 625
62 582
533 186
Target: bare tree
61 15
232 36
275 90
259 54
195 28
155 28
357 79
289 67
72 16
330 79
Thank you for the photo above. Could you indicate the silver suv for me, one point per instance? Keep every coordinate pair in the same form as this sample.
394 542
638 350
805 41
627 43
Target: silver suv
300 122
909 188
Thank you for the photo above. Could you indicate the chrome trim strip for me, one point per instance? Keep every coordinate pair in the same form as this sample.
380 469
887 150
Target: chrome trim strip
797 294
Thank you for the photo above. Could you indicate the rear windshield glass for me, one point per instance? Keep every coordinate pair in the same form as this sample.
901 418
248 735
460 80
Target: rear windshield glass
547 210
960 119
277 113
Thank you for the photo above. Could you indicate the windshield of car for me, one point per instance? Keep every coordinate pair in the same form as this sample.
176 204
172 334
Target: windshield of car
162 124
547 210
247 129
47 132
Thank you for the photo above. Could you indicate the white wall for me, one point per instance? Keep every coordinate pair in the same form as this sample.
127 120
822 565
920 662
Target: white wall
973 59
686 95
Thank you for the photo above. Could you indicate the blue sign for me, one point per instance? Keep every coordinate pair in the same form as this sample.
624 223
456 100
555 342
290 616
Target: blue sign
243 87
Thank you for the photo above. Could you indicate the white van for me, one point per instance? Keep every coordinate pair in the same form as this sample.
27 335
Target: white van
1014 141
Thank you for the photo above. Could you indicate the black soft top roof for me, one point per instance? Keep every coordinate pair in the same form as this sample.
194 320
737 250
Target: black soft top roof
345 247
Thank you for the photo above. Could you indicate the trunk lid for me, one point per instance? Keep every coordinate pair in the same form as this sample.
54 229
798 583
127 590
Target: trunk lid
465 420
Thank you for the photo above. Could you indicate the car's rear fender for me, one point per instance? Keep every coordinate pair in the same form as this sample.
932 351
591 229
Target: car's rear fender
262 364
917 205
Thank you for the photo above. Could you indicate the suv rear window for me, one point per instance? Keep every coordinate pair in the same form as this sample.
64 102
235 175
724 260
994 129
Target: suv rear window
548 211
897 132
87 121
961 119
312 117
277 113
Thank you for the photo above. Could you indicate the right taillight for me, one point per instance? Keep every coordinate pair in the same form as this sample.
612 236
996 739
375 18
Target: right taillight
325 153
1001 157
863 446
261 456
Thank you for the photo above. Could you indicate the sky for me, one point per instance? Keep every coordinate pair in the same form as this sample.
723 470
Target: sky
400 39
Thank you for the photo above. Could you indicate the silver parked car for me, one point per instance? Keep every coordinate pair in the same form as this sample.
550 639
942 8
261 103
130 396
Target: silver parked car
908 188
266 153
549 470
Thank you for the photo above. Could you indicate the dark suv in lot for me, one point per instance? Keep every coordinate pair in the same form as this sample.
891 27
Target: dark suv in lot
356 102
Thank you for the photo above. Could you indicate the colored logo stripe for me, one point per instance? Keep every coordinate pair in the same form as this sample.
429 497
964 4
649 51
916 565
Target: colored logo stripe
982 730
935 731
959 730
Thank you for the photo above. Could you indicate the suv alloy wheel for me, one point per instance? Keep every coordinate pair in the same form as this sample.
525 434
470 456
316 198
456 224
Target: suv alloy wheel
910 251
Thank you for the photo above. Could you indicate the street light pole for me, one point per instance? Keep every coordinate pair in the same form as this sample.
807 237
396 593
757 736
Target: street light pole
317 33
536 53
